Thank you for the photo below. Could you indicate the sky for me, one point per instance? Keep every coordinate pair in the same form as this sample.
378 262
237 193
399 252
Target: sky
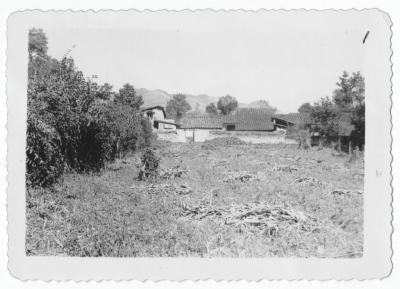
285 58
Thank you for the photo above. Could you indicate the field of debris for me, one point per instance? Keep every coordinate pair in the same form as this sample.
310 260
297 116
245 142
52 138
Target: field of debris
221 198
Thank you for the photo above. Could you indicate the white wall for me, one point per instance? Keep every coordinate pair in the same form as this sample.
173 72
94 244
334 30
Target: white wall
201 135
158 114
171 135
255 137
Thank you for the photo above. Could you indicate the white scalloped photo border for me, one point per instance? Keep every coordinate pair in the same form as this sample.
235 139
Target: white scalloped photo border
376 260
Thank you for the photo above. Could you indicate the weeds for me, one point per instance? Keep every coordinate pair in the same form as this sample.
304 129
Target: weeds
303 212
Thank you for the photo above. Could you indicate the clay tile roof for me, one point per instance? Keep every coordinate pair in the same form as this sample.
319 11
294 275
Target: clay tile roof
201 121
245 119
255 119
294 117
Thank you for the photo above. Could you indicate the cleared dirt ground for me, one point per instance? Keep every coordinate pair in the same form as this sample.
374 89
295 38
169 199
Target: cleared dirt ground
216 199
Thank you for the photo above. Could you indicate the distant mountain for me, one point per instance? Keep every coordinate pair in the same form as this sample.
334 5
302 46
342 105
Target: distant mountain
261 103
160 97
153 97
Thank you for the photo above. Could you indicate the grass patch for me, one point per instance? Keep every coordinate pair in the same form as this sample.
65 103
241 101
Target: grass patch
261 200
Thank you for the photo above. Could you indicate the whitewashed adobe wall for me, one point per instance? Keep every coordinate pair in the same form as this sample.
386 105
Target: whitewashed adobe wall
201 135
171 135
252 137
158 114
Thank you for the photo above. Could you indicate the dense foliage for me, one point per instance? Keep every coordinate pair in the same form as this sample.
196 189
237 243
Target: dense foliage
212 109
305 108
150 163
177 106
264 104
72 122
227 104
343 114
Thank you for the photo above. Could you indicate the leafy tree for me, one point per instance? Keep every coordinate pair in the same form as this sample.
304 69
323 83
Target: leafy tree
358 120
344 113
227 104
37 43
72 124
177 106
350 91
262 103
211 108
105 92
349 97
195 112
324 113
305 108
150 163
127 96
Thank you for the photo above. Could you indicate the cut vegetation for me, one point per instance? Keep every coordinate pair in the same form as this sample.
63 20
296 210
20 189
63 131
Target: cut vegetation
222 198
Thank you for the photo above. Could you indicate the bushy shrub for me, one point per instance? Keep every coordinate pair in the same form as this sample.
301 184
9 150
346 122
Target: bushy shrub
73 124
148 136
301 134
304 139
44 162
150 162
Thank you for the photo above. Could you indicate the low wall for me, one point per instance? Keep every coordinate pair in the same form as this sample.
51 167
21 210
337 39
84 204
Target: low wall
255 137
172 136
201 135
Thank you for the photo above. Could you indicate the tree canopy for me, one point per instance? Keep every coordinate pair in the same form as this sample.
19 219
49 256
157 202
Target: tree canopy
177 106
344 113
127 96
211 108
37 42
72 122
264 104
227 104
350 92
305 108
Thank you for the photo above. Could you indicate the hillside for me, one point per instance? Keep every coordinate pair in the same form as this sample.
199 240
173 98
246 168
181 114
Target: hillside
160 97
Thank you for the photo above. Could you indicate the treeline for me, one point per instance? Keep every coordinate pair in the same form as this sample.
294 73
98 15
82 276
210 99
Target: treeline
178 107
228 104
339 120
74 124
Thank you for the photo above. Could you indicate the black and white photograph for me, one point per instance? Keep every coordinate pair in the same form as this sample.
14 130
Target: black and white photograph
204 134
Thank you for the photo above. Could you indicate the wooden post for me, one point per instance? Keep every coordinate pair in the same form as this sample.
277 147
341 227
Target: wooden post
357 152
350 150
340 143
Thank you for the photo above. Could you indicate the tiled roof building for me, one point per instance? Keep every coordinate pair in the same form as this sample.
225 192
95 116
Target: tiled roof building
244 119
201 122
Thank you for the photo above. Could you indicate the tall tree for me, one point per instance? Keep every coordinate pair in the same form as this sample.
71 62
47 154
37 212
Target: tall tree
305 108
324 113
177 106
37 43
262 103
349 97
211 108
350 92
127 96
344 113
105 91
227 104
